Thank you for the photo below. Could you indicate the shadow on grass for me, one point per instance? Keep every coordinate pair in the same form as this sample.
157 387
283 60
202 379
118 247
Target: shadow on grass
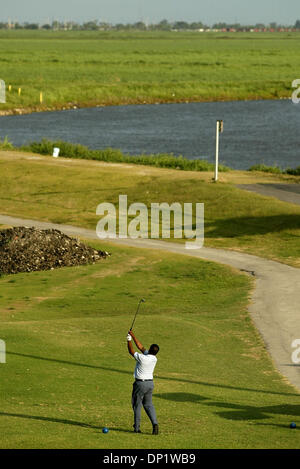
235 411
277 425
246 412
290 364
121 430
62 421
180 380
49 419
250 226
182 397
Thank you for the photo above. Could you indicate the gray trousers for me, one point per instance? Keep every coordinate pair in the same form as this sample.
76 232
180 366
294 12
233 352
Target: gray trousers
142 396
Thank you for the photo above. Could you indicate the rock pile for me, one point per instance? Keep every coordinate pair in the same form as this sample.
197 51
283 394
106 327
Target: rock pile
29 249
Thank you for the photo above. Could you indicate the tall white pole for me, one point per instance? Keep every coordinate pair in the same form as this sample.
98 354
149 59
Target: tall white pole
217 152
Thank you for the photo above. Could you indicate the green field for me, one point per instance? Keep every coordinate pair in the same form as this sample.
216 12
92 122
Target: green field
105 68
68 372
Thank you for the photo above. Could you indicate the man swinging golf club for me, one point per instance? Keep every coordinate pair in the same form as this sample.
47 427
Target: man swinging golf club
143 385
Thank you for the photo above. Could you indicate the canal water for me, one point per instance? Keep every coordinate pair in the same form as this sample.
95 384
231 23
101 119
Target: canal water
255 132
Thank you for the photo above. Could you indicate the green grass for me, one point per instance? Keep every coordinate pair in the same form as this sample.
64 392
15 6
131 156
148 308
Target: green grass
70 150
69 191
68 372
5 144
165 160
162 160
106 68
275 169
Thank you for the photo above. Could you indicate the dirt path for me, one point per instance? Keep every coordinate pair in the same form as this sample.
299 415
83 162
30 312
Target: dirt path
275 300
286 192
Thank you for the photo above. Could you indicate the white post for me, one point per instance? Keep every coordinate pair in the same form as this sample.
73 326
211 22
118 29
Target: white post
2 351
55 152
2 92
217 152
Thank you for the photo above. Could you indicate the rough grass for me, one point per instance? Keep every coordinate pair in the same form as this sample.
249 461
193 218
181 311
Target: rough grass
275 169
5 144
99 68
165 160
70 150
68 372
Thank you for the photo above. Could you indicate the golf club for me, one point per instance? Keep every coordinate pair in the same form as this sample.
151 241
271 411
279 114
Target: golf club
141 301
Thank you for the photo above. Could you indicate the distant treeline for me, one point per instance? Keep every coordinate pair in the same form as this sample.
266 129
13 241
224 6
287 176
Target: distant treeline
163 25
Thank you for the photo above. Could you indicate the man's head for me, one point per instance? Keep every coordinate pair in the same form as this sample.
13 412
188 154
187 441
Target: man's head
154 349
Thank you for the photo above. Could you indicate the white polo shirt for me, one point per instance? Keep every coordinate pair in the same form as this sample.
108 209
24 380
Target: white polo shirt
145 365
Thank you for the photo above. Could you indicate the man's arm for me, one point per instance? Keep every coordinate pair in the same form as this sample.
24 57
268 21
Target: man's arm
130 346
137 342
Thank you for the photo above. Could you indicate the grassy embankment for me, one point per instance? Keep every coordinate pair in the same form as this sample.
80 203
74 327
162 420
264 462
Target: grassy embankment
68 372
105 68
164 160
69 190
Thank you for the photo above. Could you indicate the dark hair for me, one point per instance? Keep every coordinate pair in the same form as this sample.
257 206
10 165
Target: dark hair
154 349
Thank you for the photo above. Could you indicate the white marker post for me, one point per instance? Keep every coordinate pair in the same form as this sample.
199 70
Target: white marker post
2 92
219 129
2 351
55 152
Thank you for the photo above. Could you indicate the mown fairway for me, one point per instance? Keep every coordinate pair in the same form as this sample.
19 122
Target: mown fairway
90 68
68 372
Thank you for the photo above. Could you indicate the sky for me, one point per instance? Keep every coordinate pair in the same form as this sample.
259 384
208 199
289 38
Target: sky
152 11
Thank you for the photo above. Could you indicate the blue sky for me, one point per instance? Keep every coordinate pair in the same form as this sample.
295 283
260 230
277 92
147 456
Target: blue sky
114 11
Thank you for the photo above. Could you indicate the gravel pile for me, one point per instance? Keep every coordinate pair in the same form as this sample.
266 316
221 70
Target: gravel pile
29 249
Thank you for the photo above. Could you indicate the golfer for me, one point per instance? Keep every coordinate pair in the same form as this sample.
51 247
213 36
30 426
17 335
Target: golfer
143 385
